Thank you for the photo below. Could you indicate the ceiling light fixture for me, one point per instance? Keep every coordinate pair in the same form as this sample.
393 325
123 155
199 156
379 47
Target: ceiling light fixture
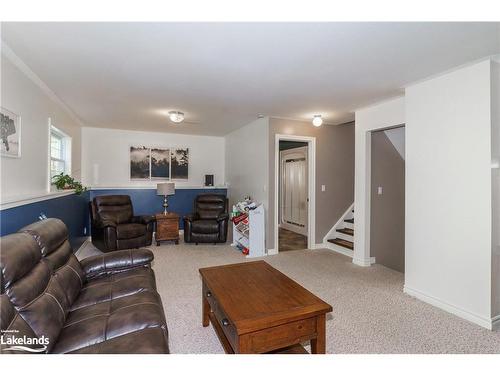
176 116
317 120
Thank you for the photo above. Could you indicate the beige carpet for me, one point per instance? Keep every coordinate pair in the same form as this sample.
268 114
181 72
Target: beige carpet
371 314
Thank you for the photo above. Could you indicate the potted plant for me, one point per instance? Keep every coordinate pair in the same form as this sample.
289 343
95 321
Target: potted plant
65 182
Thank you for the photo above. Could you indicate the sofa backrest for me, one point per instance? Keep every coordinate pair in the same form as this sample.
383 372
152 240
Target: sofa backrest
116 208
210 206
41 278
51 236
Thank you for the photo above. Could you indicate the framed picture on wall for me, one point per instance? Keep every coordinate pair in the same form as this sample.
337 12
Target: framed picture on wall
160 163
180 163
148 163
10 144
140 163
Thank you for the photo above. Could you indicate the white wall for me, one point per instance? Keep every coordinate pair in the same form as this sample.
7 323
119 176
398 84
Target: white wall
247 162
380 116
448 192
106 156
22 93
495 186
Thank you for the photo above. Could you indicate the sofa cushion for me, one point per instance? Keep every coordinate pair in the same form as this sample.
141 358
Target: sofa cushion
93 324
146 341
131 230
115 286
205 226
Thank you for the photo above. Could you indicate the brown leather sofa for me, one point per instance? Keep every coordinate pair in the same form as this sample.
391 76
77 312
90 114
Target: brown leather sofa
114 226
209 221
103 304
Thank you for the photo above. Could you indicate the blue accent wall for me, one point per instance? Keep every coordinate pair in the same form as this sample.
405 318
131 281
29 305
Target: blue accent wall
74 209
146 202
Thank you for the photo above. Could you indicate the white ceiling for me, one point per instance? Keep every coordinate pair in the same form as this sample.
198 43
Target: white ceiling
126 75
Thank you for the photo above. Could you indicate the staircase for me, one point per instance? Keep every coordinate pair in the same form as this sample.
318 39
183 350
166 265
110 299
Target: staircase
341 236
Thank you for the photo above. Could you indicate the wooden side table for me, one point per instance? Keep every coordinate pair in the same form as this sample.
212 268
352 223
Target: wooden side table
167 228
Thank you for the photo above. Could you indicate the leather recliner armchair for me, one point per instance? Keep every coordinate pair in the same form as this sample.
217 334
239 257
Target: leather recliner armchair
114 226
209 221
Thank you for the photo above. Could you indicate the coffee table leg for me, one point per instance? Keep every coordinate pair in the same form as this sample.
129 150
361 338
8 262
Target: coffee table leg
205 310
318 345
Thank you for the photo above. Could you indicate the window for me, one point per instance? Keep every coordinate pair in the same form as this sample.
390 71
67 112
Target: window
60 152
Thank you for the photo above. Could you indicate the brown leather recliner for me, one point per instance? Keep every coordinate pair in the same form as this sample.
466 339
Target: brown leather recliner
114 226
209 221
104 304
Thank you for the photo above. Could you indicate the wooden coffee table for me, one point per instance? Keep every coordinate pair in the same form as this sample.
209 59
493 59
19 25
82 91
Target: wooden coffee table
254 308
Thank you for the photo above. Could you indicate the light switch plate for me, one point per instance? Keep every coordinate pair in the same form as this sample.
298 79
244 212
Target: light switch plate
379 190
323 188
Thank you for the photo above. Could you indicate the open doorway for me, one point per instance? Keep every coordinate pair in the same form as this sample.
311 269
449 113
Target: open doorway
294 193
387 213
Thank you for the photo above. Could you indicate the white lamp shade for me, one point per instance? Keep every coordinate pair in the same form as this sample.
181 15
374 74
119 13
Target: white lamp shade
166 188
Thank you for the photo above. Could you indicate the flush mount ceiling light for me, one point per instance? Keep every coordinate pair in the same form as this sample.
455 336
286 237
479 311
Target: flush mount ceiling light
176 116
317 120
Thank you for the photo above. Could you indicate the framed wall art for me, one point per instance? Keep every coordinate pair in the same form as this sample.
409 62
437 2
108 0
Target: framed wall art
10 144
158 163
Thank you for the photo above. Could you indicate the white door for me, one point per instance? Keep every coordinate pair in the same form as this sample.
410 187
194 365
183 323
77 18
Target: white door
294 203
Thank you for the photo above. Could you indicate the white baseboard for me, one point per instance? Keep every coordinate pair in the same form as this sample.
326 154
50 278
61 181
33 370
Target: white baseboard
272 251
87 240
484 322
363 262
318 246
275 252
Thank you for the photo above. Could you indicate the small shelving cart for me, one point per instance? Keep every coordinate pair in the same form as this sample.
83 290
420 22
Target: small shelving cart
251 233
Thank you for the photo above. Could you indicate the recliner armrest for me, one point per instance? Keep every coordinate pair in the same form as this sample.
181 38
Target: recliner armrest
222 217
106 223
116 261
143 219
191 217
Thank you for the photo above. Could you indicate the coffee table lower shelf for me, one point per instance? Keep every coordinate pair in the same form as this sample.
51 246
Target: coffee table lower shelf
293 349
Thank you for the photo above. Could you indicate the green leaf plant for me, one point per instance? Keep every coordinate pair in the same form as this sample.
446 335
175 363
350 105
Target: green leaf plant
63 182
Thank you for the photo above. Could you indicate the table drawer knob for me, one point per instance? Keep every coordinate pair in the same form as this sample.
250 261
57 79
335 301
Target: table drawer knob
225 322
209 294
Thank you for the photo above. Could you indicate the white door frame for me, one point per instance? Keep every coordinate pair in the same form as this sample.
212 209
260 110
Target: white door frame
362 240
311 177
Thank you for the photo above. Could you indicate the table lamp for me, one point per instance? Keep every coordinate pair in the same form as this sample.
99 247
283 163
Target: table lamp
165 188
